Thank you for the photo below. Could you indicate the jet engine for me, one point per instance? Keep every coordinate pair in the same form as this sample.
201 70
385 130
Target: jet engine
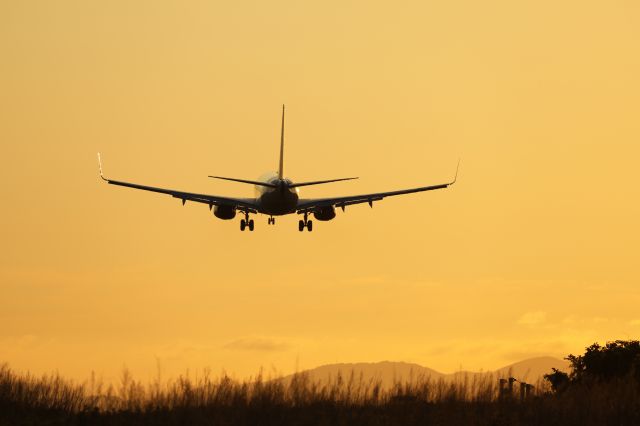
224 212
324 213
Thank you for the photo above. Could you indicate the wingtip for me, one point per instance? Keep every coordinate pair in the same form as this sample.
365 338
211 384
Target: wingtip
100 167
455 178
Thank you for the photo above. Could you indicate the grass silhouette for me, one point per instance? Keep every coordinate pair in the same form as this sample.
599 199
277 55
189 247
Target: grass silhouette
345 400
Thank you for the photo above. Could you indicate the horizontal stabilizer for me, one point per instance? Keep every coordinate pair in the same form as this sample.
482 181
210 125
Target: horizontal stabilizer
318 182
252 182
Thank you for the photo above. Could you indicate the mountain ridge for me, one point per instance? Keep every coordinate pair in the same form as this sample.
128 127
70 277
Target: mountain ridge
388 373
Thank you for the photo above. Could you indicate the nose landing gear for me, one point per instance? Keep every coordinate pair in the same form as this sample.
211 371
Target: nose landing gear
271 221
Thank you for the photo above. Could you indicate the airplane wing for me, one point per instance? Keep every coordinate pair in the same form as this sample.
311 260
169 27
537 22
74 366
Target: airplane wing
308 205
212 200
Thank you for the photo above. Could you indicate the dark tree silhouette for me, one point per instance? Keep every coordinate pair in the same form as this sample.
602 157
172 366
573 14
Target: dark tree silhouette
559 380
617 359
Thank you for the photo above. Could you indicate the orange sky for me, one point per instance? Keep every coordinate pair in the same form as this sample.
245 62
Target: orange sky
534 251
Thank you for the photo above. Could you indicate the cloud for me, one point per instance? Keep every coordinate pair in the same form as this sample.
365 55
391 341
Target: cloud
262 344
533 318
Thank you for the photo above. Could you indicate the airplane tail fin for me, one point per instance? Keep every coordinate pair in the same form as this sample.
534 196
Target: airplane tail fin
281 167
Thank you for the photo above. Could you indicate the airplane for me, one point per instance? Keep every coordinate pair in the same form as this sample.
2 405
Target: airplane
277 196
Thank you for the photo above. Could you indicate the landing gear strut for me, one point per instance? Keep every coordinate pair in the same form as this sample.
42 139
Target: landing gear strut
246 222
305 223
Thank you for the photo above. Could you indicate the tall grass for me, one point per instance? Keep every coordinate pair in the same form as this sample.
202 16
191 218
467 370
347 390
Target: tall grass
344 400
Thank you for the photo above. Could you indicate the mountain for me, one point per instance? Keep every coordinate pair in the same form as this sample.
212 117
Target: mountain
387 373
530 370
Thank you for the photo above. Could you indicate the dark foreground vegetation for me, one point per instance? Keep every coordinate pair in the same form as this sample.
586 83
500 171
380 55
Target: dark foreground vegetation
602 389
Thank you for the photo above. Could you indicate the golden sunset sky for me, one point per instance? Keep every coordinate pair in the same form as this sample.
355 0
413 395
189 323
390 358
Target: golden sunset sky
533 252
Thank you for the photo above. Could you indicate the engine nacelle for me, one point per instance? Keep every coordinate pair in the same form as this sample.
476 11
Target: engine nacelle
224 212
325 213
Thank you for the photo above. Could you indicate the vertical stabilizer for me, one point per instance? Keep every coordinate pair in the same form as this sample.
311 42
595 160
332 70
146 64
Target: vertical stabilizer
281 168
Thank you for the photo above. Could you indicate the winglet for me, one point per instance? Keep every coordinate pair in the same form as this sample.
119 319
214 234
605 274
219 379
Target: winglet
455 178
100 167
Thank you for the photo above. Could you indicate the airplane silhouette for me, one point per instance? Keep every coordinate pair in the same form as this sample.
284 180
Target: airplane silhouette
277 196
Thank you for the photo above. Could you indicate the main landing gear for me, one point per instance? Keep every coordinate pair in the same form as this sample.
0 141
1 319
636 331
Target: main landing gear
271 221
246 222
305 223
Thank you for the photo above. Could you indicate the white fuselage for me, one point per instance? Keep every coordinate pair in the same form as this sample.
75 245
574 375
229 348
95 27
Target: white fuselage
276 201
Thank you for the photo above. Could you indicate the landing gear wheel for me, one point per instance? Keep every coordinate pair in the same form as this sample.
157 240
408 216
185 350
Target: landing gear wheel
309 225
251 225
243 224
301 225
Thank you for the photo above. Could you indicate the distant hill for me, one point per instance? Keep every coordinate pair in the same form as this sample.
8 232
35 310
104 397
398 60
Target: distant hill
388 373
530 370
